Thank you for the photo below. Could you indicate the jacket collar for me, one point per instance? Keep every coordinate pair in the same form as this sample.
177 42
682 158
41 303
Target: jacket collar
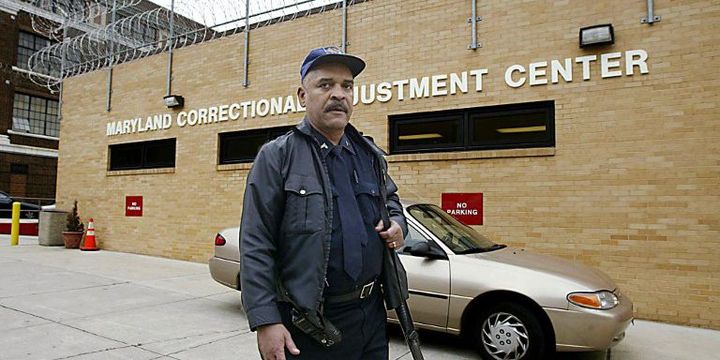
351 132
326 145
305 127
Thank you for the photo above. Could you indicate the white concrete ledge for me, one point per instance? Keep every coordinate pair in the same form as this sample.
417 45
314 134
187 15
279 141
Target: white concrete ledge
7 147
13 132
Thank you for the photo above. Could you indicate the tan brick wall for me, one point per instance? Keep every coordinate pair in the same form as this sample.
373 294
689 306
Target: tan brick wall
631 186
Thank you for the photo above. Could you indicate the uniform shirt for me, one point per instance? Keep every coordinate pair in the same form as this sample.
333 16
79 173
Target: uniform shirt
365 185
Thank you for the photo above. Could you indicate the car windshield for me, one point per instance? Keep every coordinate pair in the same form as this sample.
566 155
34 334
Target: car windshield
461 239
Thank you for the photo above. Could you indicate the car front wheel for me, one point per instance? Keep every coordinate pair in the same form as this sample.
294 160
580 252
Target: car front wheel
510 331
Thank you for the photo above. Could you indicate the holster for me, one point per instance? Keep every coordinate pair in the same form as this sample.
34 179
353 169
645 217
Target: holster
316 326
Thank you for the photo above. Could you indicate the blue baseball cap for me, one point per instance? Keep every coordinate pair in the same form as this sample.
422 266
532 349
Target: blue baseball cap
331 54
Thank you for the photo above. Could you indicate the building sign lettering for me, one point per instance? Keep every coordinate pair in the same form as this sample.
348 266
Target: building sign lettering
613 64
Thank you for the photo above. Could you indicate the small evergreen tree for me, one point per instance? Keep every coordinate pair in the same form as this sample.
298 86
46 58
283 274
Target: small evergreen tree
73 220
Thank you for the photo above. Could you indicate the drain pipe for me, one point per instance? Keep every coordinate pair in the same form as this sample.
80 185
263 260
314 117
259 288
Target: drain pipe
108 103
344 26
473 20
246 81
651 17
171 44
62 69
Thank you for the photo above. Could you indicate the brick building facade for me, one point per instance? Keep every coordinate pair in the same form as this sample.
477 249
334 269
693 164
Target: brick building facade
625 178
28 150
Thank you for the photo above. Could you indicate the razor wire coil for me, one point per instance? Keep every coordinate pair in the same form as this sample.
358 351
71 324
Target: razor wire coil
86 39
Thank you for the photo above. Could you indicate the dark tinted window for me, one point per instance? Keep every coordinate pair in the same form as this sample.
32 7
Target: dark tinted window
19 168
413 237
243 146
143 155
509 127
430 132
493 127
159 154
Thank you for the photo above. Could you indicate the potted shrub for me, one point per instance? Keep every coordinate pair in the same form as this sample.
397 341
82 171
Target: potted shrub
75 228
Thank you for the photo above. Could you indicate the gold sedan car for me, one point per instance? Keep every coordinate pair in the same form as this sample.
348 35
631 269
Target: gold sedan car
510 303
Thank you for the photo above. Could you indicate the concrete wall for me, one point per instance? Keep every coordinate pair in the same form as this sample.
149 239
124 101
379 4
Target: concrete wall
631 186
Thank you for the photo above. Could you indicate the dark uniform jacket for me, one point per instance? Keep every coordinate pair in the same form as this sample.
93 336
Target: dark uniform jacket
286 227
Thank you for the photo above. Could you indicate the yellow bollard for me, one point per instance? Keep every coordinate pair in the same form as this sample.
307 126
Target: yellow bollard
15 226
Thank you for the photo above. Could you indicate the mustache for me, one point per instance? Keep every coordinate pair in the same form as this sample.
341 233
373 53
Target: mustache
336 106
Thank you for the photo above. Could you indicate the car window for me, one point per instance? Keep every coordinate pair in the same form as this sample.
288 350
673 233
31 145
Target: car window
413 237
4 197
459 238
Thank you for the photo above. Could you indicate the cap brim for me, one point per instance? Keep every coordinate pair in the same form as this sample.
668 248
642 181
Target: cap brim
354 63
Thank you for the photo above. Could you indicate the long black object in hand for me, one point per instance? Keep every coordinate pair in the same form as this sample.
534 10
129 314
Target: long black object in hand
403 312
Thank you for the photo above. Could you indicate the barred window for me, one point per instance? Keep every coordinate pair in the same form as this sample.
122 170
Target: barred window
36 115
28 44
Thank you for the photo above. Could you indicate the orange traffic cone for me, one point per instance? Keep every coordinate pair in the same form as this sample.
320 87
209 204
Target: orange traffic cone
89 244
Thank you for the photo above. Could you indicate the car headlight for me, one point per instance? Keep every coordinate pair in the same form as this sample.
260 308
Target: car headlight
602 300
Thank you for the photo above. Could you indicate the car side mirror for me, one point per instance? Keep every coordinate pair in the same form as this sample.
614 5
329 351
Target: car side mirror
424 249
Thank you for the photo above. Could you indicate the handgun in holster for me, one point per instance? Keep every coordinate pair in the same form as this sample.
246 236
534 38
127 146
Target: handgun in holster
316 326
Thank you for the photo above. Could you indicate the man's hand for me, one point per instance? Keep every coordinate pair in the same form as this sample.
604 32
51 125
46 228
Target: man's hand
272 340
393 236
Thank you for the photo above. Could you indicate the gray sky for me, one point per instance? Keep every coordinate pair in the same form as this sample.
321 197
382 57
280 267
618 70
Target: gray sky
212 12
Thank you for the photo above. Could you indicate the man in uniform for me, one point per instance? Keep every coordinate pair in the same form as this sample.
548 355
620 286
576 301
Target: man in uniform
312 235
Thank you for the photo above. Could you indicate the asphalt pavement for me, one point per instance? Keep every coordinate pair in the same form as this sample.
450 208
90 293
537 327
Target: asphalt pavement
67 304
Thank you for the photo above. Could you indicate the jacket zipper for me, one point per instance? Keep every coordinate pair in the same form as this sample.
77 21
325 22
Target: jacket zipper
328 234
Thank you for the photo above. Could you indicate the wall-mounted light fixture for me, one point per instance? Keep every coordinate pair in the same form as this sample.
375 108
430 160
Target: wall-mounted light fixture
597 35
174 101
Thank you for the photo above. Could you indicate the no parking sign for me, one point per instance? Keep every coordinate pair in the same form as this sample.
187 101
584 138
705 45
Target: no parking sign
465 207
133 206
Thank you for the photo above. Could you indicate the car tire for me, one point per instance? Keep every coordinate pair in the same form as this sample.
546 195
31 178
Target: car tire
511 331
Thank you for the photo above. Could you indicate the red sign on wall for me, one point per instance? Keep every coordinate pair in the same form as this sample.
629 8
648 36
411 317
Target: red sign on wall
465 207
133 205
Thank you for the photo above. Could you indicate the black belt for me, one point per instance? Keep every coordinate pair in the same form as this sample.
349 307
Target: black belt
360 293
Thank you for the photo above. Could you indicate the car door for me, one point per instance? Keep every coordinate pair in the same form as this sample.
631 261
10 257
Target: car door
428 283
5 205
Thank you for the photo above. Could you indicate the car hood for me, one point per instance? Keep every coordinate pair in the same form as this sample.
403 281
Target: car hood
28 206
577 276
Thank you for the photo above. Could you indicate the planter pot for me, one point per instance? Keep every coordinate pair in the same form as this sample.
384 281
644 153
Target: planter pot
72 239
